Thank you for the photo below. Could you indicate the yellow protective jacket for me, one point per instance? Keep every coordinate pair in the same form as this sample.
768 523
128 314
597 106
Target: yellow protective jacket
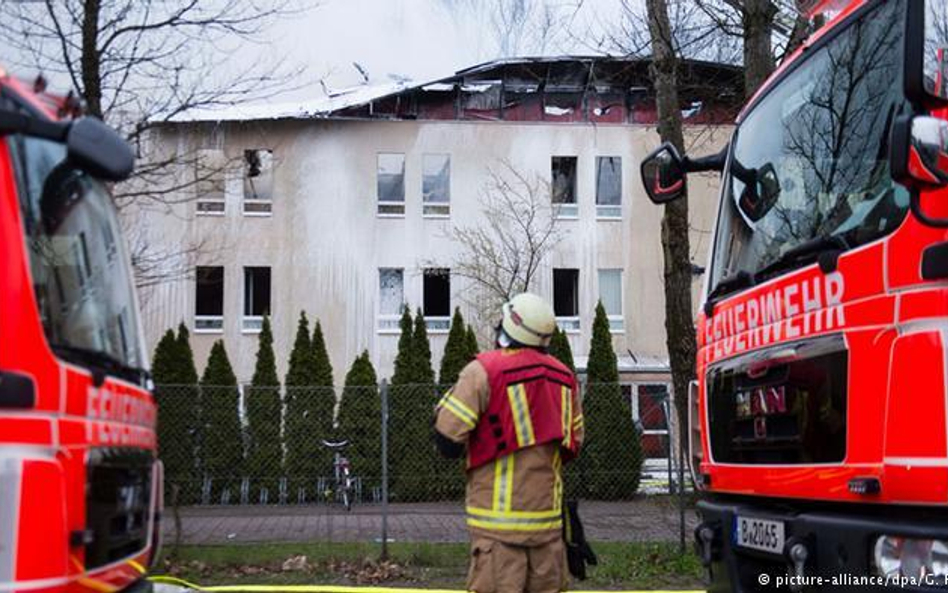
516 498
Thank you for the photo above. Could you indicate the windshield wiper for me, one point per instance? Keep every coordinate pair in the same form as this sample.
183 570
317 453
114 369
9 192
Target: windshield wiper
825 248
727 285
100 363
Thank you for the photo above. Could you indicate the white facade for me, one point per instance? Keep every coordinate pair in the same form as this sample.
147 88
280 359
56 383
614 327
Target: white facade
325 241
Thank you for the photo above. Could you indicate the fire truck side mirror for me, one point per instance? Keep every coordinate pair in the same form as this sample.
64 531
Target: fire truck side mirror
919 159
663 175
98 150
926 54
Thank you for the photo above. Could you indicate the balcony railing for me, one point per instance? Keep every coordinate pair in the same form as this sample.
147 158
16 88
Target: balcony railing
210 207
609 212
566 210
569 325
208 324
258 207
438 324
391 209
252 324
388 324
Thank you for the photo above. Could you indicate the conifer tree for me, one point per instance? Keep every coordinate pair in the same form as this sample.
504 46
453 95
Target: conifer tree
613 451
323 367
263 415
360 422
223 439
471 348
300 384
188 396
174 423
560 349
455 352
404 358
421 350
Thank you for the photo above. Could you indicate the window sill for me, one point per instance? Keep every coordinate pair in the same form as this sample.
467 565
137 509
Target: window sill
217 213
609 218
381 215
387 331
567 217
258 214
219 330
437 216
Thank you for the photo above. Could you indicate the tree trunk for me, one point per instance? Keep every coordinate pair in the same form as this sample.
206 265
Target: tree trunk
679 323
90 61
758 21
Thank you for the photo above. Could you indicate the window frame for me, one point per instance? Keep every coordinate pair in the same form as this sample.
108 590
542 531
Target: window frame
435 209
570 324
436 324
616 321
608 211
388 323
268 202
380 205
209 324
565 210
201 204
249 323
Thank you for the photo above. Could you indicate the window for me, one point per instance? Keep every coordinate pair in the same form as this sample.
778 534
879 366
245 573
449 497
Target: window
391 297
209 169
650 411
256 297
209 299
564 186
258 182
436 185
609 187
566 298
610 294
436 295
391 184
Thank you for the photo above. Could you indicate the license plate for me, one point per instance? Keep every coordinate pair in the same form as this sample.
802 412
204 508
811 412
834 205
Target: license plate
760 534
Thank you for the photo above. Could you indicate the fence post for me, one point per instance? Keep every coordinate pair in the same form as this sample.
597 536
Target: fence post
384 420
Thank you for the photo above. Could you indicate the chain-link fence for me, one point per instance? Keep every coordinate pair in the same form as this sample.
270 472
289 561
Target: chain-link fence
282 464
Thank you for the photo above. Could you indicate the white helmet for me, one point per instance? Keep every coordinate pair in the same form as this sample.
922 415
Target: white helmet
529 320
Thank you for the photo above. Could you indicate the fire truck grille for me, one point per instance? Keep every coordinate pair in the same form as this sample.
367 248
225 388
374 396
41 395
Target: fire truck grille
117 504
783 405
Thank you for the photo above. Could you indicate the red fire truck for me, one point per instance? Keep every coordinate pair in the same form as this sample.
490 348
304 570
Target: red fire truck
80 486
820 412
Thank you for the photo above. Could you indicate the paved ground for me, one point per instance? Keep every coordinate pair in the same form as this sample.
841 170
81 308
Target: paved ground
649 518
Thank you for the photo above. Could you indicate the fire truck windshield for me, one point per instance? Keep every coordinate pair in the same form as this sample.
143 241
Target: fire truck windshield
808 168
79 264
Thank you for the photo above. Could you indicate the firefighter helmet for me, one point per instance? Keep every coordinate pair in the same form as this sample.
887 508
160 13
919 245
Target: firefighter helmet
529 320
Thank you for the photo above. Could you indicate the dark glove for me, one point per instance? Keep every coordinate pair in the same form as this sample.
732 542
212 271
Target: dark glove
578 552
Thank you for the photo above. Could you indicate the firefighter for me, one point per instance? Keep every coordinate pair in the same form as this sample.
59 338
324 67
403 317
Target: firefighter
516 412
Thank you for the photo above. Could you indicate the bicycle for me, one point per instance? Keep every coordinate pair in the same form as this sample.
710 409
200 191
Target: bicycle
341 473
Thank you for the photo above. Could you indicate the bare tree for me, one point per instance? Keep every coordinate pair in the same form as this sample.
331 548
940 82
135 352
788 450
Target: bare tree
138 64
502 254
679 327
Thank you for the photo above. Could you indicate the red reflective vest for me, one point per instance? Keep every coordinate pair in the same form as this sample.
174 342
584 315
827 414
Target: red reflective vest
531 403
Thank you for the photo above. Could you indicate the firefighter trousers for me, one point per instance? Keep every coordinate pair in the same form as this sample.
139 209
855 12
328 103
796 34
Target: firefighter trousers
497 567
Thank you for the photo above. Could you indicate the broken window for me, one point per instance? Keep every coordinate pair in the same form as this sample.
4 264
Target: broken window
209 299
436 296
436 185
256 297
610 295
562 107
564 186
391 297
258 181
209 169
391 184
566 298
481 99
609 187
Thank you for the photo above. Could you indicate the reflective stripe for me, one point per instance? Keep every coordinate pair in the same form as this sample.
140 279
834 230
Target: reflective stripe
478 512
503 484
577 422
515 524
566 405
520 410
457 407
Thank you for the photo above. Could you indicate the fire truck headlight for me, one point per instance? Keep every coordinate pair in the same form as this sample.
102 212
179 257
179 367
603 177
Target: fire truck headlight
910 557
